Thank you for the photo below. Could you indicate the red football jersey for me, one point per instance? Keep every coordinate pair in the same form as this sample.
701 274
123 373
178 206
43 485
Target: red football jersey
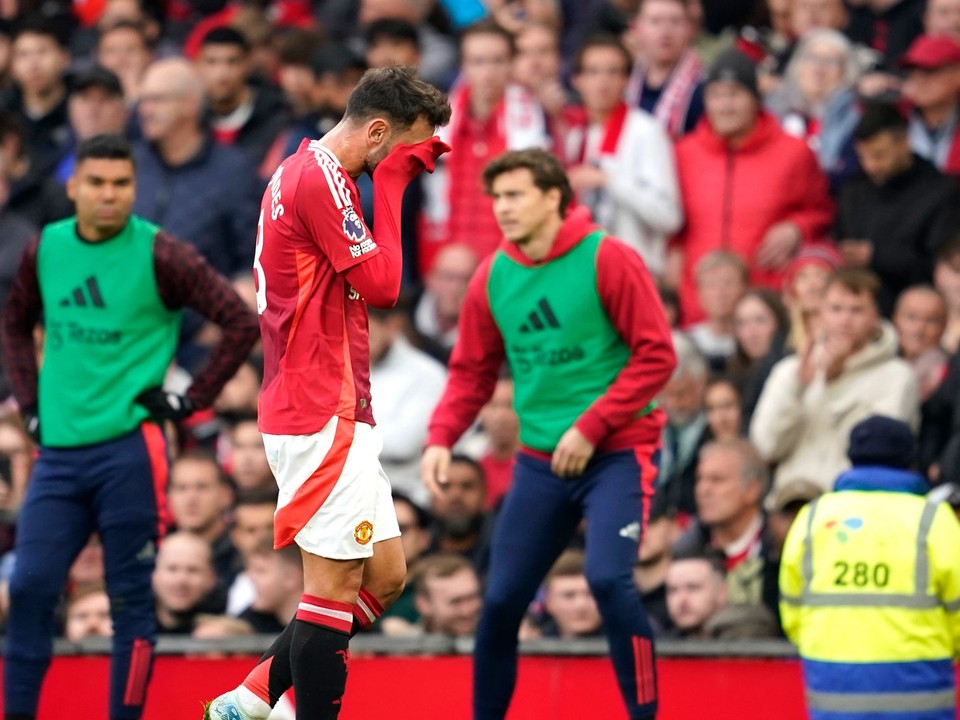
314 325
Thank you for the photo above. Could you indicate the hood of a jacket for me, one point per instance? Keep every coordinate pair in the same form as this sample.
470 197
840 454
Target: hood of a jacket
766 129
880 350
875 478
576 226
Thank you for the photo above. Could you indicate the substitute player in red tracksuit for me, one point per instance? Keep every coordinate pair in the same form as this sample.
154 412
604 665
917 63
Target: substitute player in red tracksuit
576 315
315 265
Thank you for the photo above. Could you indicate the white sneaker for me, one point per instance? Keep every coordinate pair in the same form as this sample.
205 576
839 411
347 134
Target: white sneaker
229 706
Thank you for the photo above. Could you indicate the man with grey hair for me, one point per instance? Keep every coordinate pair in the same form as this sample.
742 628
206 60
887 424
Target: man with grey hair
686 429
197 190
731 480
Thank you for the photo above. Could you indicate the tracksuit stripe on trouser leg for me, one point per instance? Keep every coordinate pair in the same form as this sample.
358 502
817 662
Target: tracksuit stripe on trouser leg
128 517
614 504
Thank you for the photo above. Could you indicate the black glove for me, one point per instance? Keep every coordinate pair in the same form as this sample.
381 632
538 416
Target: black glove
31 423
165 405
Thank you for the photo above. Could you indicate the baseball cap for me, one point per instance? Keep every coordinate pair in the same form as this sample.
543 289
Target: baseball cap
96 76
931 53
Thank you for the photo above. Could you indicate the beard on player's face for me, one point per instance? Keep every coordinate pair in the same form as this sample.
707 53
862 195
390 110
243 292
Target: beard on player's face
376 155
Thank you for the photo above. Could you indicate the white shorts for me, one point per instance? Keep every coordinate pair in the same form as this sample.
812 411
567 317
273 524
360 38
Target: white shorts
335 499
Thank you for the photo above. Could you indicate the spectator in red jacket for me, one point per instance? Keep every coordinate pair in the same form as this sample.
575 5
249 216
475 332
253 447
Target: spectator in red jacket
747 186
932 84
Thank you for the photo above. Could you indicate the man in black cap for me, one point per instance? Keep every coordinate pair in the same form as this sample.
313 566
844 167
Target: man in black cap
746 186
870 586
95 106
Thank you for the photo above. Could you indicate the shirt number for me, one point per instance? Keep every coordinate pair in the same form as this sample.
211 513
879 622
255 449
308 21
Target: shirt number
861 574
259 279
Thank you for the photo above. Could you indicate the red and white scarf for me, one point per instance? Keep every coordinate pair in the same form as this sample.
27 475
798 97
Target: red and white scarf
578 133
671 108
521 124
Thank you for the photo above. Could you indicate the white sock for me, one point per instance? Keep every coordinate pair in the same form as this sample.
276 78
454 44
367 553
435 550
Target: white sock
251 704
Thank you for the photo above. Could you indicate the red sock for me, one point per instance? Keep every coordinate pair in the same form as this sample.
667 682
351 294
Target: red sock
366 611
326 613
258 681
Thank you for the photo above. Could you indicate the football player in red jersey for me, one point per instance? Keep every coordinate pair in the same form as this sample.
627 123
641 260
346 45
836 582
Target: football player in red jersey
316 266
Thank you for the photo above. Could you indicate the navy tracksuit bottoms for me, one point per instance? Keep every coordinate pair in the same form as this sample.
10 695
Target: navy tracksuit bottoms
539 515
116 489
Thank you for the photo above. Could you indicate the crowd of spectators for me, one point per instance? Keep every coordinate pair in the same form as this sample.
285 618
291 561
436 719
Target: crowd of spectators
787 169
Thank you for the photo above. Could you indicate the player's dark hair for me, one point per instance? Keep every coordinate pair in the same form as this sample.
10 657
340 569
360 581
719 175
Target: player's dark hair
546 170
399 95
226 36
490 27
877 118
602 40
392 29
104 147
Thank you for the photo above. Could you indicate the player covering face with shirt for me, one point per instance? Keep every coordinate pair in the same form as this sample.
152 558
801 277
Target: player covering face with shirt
317 267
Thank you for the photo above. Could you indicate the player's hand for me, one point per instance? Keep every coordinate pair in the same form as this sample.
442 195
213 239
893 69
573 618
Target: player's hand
572 454
434 466
405 162
163 405
31 423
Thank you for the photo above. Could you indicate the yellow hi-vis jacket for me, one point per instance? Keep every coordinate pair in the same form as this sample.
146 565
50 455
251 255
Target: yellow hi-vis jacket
870 593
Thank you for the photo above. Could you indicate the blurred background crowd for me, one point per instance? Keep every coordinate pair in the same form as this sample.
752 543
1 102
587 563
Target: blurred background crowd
787 169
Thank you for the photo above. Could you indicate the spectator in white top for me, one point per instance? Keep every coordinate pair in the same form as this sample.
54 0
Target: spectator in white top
407 384
620 159
813 399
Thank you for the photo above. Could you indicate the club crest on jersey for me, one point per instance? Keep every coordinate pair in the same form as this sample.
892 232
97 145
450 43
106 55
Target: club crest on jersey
353 226
363 533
